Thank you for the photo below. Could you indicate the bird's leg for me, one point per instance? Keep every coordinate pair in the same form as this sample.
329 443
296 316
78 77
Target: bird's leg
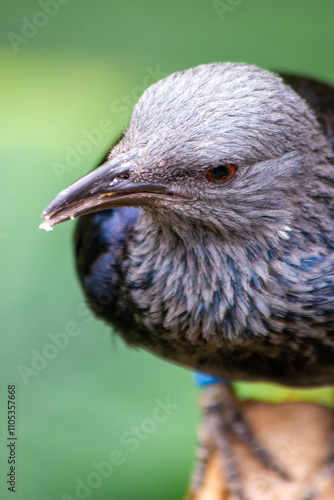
222 422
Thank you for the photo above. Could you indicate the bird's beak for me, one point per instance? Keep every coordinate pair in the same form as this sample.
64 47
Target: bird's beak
110 185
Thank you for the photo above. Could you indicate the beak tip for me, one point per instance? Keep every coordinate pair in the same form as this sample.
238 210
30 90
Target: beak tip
46 225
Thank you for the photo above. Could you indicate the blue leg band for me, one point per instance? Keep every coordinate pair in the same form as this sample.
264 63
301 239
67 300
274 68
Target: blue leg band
202 379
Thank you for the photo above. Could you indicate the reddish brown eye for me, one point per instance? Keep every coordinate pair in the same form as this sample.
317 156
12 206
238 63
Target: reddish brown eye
222 173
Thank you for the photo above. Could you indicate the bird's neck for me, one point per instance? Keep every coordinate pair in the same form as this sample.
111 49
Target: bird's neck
196 286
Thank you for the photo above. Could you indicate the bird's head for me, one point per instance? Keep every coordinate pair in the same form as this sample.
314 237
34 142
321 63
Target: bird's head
225 146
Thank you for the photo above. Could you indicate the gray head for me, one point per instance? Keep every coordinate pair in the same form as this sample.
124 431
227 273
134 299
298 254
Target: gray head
222 147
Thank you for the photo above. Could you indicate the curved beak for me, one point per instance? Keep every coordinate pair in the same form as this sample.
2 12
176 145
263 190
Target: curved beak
110 185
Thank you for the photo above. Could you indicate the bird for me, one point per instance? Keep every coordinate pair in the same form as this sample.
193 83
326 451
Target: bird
206 236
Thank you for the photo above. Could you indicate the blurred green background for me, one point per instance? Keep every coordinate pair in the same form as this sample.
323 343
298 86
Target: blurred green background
71 72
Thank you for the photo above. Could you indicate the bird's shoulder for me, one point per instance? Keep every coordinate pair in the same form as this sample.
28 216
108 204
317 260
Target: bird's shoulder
101 245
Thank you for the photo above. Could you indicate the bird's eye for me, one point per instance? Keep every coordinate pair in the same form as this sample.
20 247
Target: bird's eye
222 173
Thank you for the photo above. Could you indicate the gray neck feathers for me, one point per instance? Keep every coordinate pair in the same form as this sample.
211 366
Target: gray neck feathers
199 286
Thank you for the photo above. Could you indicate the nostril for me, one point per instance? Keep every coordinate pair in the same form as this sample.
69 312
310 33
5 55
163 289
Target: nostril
120 177
125 176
